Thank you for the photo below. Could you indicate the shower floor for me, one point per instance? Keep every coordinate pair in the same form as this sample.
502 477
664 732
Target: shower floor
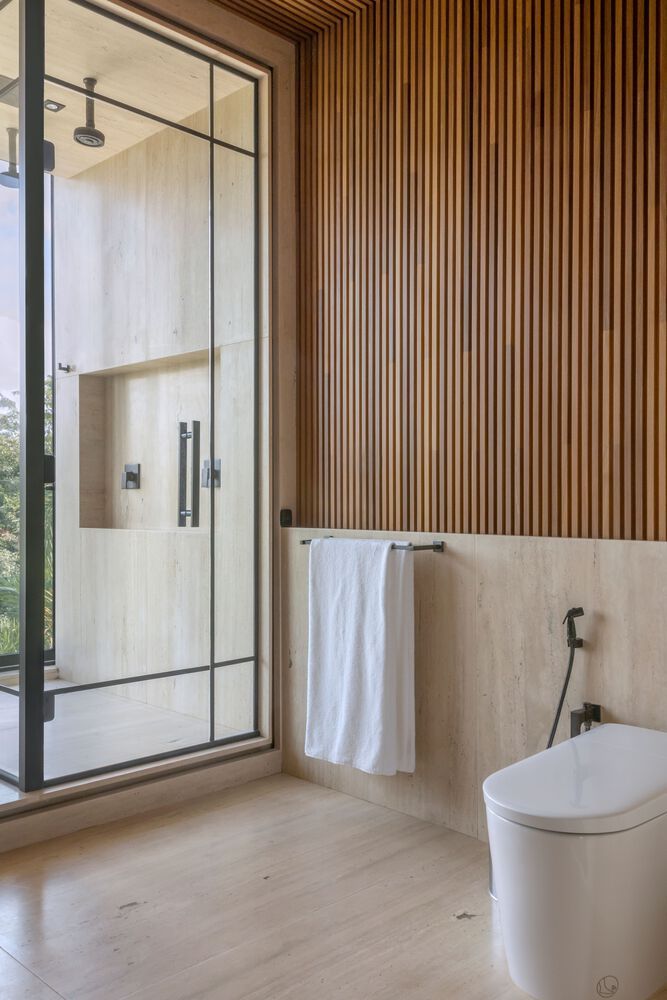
99 728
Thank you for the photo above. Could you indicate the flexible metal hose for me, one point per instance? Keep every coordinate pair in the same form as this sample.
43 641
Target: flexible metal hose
562 697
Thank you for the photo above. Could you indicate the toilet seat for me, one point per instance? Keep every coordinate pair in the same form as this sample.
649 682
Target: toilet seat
610 779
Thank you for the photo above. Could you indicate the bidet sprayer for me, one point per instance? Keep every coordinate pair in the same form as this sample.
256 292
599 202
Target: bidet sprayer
574 642
572 639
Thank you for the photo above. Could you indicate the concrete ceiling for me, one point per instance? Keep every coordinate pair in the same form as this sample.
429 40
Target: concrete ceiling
128 66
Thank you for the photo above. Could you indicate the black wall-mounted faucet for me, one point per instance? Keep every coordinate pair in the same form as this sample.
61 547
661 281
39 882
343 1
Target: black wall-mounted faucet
584 717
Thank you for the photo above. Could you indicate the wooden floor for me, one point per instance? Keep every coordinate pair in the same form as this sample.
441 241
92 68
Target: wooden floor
278 889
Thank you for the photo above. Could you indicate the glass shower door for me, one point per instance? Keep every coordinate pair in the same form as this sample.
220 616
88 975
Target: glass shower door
132 349
145 392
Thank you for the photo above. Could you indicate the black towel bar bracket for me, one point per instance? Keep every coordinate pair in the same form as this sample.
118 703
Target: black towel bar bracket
433 547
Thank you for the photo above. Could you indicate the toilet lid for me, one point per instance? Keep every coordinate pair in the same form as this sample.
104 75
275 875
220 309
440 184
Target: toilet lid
612 778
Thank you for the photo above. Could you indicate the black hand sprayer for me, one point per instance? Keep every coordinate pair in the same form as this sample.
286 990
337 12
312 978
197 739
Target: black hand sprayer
574 642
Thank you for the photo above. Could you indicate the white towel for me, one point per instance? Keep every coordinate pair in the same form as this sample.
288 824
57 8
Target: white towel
361 702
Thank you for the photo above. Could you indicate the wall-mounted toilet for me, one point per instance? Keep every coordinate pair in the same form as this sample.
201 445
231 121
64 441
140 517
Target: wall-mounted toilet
578 839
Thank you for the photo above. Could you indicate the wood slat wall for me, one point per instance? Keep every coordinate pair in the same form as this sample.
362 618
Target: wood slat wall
296 19
483 329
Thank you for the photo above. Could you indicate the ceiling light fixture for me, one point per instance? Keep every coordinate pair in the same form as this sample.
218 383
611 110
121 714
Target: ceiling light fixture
51 105
10 178
88 135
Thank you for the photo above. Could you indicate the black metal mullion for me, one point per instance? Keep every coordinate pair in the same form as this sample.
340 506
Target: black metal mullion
140 678
257 391
131 109
31 222
52 209
232 663
211 393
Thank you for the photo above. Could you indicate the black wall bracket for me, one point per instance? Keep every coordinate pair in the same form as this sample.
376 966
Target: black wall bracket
131 478
206 473
584 716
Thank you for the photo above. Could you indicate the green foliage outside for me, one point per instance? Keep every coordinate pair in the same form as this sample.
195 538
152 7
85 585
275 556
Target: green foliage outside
10 524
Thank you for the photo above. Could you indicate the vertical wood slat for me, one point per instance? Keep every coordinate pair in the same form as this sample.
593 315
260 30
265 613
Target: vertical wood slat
483 325
297 20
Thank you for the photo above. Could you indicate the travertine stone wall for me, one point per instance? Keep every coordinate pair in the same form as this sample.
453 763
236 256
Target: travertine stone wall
491 657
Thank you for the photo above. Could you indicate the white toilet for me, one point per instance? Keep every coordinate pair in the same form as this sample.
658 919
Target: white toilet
578 840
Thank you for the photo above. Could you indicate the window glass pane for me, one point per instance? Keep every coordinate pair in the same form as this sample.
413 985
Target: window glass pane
9 55
235 360
234 109
120 131
9 343
234 699
114 725
131 266
130 244
128 65
9 726
9 386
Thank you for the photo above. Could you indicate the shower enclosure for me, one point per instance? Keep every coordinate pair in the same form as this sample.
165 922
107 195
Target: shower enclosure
132 416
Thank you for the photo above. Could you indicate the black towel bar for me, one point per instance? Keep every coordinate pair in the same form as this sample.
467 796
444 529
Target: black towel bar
433 547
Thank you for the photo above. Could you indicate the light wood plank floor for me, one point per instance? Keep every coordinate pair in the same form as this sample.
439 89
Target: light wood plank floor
278 890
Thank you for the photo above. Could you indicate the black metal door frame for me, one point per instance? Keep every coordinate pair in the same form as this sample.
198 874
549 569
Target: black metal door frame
31 283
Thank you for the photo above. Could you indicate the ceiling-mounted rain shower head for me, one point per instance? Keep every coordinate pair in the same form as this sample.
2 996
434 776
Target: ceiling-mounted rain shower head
10 178
88 135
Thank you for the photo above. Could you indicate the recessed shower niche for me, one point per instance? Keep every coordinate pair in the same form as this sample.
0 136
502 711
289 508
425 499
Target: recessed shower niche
154 414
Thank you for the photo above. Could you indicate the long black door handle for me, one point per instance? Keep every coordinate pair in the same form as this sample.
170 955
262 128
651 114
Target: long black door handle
194 506
185 512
